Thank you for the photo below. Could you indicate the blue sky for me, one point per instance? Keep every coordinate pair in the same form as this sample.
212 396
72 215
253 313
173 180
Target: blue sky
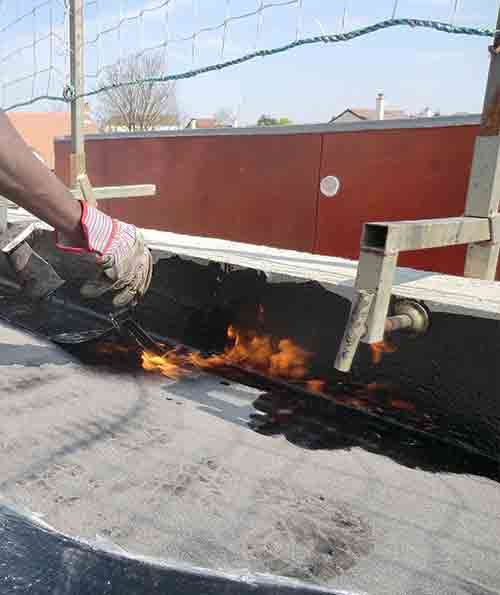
414 68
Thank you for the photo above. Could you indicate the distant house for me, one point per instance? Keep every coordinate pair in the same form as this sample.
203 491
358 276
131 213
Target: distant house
39 129
202 123
427 112
361 114
118 124
380 112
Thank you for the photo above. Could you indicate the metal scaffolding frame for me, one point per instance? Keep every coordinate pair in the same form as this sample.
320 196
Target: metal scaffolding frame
479 228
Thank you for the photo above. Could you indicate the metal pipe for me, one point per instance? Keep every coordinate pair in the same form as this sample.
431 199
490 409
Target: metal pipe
398 323
409 315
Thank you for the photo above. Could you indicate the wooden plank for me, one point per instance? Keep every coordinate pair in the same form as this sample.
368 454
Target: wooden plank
76 28
441 293
77 166
86 189
108 192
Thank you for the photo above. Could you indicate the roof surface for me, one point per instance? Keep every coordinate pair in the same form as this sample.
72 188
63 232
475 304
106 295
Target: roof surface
389 114
203 123
371 114
172 470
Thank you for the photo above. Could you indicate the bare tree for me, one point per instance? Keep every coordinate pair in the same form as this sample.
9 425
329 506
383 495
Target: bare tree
144 105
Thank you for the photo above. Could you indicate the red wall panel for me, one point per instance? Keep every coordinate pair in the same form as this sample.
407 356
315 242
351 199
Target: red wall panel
256 189
395 174
264 189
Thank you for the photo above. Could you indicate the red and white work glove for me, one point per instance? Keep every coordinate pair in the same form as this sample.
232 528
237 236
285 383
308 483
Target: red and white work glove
125 265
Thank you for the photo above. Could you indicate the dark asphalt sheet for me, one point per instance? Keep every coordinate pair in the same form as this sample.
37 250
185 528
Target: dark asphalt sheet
174 470
39 560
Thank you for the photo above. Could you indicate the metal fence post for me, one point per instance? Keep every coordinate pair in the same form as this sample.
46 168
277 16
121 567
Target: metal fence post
483 195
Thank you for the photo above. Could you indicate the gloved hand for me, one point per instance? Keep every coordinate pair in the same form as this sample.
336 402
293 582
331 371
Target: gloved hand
125 263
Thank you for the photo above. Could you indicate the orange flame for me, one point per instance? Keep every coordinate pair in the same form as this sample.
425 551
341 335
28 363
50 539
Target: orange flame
171 364
259 352
378 349
281 359
246 348
316 386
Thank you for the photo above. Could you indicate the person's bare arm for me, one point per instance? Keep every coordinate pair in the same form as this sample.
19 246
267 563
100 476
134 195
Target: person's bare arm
25 180
125 263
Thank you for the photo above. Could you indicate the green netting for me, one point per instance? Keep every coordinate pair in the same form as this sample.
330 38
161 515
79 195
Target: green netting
193 37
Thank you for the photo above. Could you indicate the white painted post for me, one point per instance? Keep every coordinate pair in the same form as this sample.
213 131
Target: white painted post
483 195
380 106
78 163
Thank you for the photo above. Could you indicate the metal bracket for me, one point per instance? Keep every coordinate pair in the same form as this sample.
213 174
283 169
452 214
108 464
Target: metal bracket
410 316
495 228
381 244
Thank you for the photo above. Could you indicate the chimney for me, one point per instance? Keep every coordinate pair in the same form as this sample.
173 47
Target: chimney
380 106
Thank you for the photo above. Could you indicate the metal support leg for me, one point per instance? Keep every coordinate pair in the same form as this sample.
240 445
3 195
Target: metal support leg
479 228
481 261
484 187
355 329
370 305
482 201
376 274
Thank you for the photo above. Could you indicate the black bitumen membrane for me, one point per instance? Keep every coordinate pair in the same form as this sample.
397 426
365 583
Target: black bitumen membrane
432 406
